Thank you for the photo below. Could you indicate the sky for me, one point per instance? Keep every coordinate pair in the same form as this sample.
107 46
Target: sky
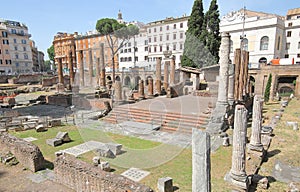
45 18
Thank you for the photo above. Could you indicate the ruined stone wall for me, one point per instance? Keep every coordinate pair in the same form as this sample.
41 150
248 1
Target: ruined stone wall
81 176
28 154
4 78
49 81
29 78
59 99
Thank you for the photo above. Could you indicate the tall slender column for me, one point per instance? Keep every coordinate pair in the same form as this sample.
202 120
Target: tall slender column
91 67
70 66
60 71
102 66
201 161
118 91
166 75
141 89
273 86
231 84
238 167
255 141
172 72
158 76
98 71
150 87
81 67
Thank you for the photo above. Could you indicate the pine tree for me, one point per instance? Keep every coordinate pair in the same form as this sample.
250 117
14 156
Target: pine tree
268 88
213 21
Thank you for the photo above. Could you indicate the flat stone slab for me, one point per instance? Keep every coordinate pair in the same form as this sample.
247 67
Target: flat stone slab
42 176
135 174
30 139
285 173
138 127
84 148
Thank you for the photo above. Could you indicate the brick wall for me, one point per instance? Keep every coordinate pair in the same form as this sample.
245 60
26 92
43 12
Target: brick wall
81 176
28 154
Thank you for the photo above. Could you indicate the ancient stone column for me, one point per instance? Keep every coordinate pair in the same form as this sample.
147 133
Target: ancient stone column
172 72
150 88
166 75
197 82
141 89
201 161
81 68
217 121
224 65
238 165
90 67
60 71
255 141
98 71
158 76
102 66
70 66
231 84
118 91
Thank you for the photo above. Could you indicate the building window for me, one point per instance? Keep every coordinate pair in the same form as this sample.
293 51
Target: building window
0 51
278 43
4 34
5 42
154 39
17 56
181 46
174 36
16 48
264 43
23 41
290 24
129 50
181 25
286 56
298 55
129 59
299 45
146 48
160 48
174 26
167 37
155 49
160 28
0 61
146 42
15 40
129 44
168 27
25 56
181 35
231 46
136 59
17 64
13 31
149 49
287 46
245 44
160 38
154 30
289 34
149 30
6 51
174 47
146 58
168 48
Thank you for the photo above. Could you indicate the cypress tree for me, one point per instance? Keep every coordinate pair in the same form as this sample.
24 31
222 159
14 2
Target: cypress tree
213 22
268 88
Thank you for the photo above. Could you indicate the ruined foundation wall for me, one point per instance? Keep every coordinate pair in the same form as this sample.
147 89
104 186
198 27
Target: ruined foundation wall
81 176
28 154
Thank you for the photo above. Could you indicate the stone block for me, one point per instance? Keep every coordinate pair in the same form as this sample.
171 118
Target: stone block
54 142
104 166
54 122
96 161
9 100
63 136
115 148
105 152
165 184
40 128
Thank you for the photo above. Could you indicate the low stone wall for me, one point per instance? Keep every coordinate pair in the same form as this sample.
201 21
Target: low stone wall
59 99
49 82
81 176
28 78
93 104
4 78
28 154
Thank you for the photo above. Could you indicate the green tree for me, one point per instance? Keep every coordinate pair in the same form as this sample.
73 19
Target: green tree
117 35
51 53
212 22
268 88
47 65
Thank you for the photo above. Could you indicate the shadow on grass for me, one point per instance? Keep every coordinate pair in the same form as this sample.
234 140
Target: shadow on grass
273 153
49 165
175 188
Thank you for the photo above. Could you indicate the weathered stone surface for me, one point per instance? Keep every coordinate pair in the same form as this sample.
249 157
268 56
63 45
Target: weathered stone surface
105 152
104 166
63 136
28 154
96 161
54 122
9 100
115 148
40 128
54 142
165 184
67 168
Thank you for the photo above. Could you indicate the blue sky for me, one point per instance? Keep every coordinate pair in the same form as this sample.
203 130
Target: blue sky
45 18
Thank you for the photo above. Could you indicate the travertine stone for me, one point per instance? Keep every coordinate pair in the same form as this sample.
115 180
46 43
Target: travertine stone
201 161
141 89
81 68
70 66
150 87
172 71
90 67
102 66
231 84
98 71
165 184
255 141
166 75
158 76
60 71
118 91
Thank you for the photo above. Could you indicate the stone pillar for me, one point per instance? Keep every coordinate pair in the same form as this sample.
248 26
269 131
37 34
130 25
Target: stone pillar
102 66
166 75
98 71
238 167
172 72
224 65
255 141
165 184
90 67
150 88
158 76
231 84
201 161
60 71
141 89
81 68
118 91
273 86
70 66
196 82
217 121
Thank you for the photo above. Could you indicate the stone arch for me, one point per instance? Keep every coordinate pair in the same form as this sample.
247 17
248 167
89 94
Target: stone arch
108 77
146 81
118 78
127 81
136 83
252 84
264 43
263 60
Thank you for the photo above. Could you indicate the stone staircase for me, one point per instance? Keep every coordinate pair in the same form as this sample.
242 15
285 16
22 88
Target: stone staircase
168 121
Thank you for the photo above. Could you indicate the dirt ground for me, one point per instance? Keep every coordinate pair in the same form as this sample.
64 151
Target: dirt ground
15 179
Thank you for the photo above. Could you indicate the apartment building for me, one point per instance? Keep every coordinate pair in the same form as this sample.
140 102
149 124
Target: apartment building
5 59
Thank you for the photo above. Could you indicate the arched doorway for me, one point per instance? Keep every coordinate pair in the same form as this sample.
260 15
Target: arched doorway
146 82
252 84
108 78
262 60
136 83
118 78
127 81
